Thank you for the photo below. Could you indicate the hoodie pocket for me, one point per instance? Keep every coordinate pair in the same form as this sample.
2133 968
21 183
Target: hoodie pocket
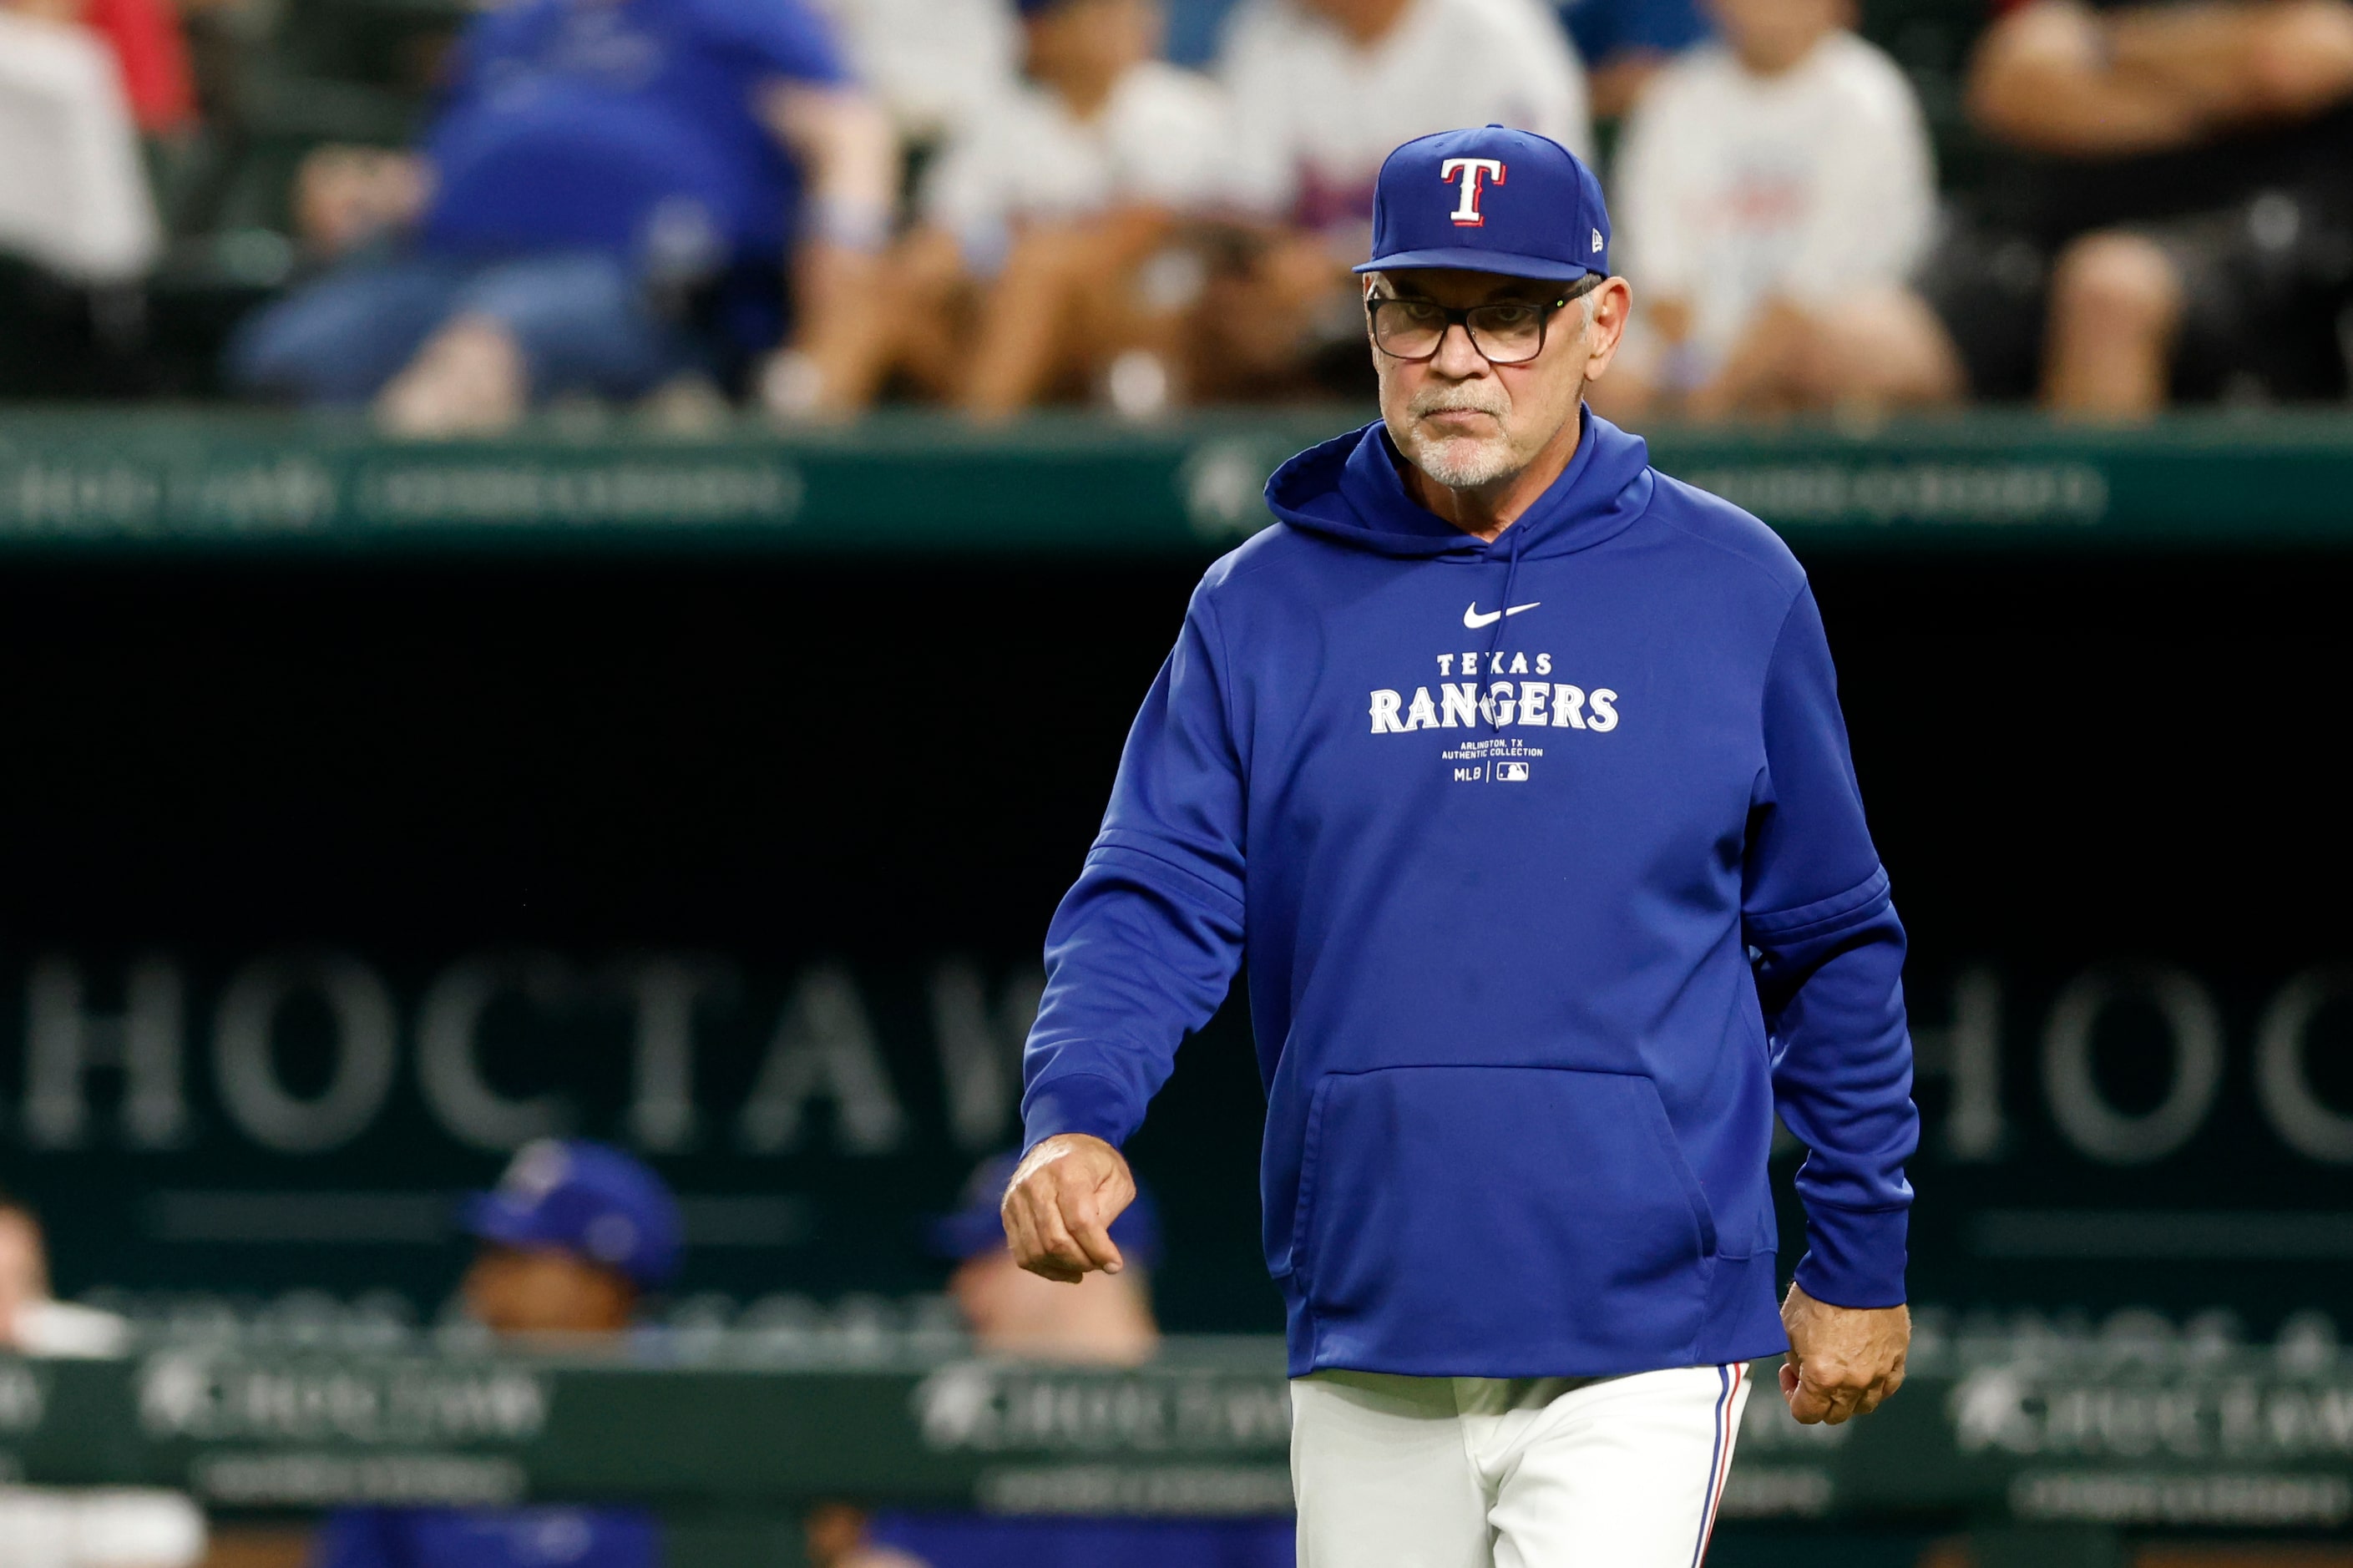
1498 1221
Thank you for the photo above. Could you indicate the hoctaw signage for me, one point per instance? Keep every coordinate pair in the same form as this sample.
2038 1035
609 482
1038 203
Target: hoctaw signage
308 1053
2118 1132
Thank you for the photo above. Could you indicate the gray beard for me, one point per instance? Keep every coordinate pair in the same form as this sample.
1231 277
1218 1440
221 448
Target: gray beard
1457 463
1458 469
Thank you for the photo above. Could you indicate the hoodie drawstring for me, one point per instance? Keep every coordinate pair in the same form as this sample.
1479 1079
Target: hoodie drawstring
1503 610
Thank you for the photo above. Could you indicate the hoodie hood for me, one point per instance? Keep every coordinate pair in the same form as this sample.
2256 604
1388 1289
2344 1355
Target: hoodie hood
1349 490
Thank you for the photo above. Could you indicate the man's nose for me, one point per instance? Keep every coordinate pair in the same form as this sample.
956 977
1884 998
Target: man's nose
1457 356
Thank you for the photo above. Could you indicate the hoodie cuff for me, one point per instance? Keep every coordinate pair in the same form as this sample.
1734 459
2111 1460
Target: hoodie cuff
1854 1257
1081 1102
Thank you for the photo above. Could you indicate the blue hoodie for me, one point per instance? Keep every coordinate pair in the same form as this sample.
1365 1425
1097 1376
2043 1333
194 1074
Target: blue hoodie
1550 869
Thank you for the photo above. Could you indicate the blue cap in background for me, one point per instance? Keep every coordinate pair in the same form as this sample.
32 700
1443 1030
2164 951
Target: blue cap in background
587 1199
976 1227
1489 200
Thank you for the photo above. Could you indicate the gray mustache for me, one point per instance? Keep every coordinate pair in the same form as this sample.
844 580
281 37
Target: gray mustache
1453 402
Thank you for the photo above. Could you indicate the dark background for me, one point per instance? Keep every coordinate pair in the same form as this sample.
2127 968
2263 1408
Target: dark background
2067 763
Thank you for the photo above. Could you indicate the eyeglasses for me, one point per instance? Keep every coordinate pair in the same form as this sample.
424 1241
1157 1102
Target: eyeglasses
1509 332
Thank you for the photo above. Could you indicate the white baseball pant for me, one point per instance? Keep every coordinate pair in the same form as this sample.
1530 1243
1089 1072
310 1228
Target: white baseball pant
1482 1472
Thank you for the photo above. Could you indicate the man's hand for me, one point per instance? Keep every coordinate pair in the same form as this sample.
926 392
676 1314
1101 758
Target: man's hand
1842 1360
344 196
1059 1207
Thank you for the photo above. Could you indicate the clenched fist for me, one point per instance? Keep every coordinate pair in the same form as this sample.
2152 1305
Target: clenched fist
1843 1360
1059 1207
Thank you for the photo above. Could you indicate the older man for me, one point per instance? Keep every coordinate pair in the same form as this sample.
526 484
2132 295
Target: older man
1516 769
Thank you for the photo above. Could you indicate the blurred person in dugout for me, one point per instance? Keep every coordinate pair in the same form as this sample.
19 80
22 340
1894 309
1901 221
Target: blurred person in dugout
616 196
2171 215
1105 1319
574 1238
56 1527
1047 259
1776 190
1321 90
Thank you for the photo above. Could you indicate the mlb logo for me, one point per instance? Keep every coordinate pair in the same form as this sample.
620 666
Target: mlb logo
1511 772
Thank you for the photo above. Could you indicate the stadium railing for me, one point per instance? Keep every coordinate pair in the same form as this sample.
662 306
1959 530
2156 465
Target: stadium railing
93 480
727 1432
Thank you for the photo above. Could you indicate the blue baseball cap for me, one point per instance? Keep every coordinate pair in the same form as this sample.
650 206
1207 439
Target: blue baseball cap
1489 200
976 1227
584 1198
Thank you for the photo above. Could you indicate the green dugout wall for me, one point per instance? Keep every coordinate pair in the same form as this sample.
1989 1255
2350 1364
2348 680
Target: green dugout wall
368 809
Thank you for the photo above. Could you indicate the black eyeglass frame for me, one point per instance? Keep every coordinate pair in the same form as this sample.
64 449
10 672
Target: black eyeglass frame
1462 318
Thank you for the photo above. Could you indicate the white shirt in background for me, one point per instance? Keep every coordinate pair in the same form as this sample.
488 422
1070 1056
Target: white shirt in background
73 189
1733 189
934 63
1314 115
1158 140
63 1331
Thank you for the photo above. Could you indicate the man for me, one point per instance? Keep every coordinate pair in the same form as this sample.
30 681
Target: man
1516 769
1321 90
72 1527
609 200
1047 217
2167 218
1776 192
572 1239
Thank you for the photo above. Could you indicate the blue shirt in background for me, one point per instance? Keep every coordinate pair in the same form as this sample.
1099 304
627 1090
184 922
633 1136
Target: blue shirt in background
500 1538
626 125
1193 29
963 1541
1603 29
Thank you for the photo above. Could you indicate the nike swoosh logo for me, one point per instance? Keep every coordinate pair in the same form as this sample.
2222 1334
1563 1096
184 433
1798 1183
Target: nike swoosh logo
1474 620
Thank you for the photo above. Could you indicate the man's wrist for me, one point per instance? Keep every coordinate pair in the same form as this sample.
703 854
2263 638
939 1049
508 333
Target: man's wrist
1081 1102
1855 1258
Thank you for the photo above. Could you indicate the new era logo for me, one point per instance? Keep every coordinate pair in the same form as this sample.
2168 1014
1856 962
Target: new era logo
1596 242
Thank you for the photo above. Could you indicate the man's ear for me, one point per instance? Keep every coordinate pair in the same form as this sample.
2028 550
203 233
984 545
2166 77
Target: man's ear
1610 307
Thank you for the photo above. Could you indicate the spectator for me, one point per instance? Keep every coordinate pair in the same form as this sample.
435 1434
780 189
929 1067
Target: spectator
1775 190
596 170
574 1237
2174 217
1624 44
842 1535
1321 90
1046 222
935 64
33 1321
55 1527
150 54
73 195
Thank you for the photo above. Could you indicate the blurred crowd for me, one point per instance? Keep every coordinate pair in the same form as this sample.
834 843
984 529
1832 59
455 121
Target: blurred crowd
814 206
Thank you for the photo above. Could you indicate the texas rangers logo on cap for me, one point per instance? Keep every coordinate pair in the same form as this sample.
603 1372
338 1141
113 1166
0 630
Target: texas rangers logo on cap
1472 174
1488 200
